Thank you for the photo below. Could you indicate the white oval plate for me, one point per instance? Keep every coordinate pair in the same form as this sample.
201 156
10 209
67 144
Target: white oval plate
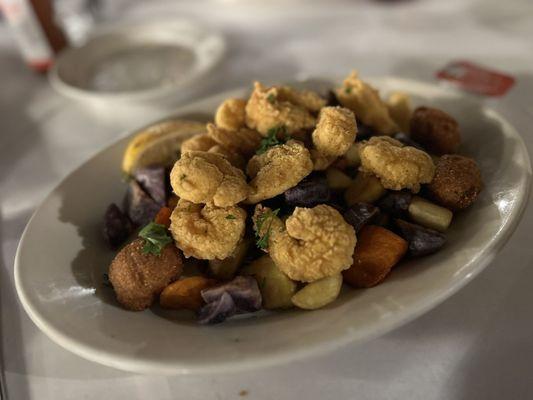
61 259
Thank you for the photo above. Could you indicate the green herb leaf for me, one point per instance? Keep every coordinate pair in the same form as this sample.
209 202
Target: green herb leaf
155 237
271 98
231 216
182 177
348 90
272 139
266 217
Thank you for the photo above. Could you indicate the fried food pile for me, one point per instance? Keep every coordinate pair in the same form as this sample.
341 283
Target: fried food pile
286 195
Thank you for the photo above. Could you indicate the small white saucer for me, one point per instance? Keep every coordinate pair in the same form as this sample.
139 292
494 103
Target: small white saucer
138 62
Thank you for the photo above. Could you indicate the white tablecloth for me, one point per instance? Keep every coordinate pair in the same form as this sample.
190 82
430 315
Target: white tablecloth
477 345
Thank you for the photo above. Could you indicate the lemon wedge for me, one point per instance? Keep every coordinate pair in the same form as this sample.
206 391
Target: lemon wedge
158 144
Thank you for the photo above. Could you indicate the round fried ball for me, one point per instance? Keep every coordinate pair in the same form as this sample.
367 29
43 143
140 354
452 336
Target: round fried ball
435 130
457 182
138 278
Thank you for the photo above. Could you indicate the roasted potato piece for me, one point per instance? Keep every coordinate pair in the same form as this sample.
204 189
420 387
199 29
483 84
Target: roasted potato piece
225 269
337 179
422 241
360 214
376 252
243 290
430 215
352 156
435 130
117 226
319 293
276 287
185 293
365 188
396 203
457 182
311 191
399 106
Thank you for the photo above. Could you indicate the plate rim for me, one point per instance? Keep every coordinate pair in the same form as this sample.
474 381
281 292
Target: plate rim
132 364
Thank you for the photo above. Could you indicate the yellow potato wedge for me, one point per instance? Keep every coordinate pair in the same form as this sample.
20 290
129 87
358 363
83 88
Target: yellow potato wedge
365 188
430 215
352 156
337 179
225 269
276 287
319 293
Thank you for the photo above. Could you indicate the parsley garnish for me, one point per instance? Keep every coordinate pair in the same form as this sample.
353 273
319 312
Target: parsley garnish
262 240
271 98
272 139
182 177
155 238
348 90
231 216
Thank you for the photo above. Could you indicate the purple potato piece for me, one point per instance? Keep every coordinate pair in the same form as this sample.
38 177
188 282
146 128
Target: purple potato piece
360 214
422 241
117 226
310 192
140 207
217 311
406 140
396 203
242 289
152 180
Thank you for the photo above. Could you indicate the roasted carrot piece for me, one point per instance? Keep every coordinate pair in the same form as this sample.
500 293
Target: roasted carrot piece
376 252
163 216
185 293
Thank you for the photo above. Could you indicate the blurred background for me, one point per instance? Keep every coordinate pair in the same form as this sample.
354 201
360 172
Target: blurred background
75 75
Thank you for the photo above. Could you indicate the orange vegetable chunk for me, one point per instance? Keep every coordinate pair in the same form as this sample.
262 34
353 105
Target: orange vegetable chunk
376 252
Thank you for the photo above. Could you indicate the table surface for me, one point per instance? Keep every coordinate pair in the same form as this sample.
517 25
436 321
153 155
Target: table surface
476 345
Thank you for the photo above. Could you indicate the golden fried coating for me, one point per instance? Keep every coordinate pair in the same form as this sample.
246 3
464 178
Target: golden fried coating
203 177
278 169
235 159
335 131
305 98
137 278
457 182
321 162
397 166
399 106
200 142
207 232
366 104
230 114
312 244
269 108
243 141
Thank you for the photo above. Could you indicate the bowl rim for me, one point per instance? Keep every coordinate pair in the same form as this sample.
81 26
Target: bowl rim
129 363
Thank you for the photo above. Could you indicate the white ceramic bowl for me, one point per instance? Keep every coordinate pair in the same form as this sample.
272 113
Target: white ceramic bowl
136 66
61 259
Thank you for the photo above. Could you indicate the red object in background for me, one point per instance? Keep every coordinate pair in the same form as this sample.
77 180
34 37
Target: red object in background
477 79
32 24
